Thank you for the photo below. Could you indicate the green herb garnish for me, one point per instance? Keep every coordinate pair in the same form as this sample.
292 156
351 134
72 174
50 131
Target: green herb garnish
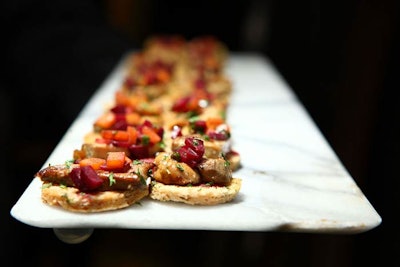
227 163
209 183
145 140
176 156
179 166
68 163
136 162
191 114
142 180
66 198
206 137
46 185
111 178
162 144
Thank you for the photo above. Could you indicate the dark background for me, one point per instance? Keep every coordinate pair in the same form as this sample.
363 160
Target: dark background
340 57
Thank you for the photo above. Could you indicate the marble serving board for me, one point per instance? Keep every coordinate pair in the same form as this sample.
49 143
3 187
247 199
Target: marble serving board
292 178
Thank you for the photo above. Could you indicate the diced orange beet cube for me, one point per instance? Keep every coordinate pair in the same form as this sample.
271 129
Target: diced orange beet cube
121 136
115 160
163 76
193 103
132 134
121 98
136 99
153 136
102 141
117 135
96 163
132 118
108 134
212 123
106 120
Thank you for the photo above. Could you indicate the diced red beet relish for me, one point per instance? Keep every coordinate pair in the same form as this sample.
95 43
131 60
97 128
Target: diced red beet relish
181 105
196 144
85 178
188 156
119 109
192 152
200 84
199 126
220 136
150 77
130 82
160 132
120 117
75 175
120 123
146 123
139 151
120 143
90 177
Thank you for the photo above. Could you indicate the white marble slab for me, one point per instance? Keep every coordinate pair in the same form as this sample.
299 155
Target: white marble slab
292 179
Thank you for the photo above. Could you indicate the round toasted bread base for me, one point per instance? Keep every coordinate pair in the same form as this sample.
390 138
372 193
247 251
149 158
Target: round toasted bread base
196 195
72 199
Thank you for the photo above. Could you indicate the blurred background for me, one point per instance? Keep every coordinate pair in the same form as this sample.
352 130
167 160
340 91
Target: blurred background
341 58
